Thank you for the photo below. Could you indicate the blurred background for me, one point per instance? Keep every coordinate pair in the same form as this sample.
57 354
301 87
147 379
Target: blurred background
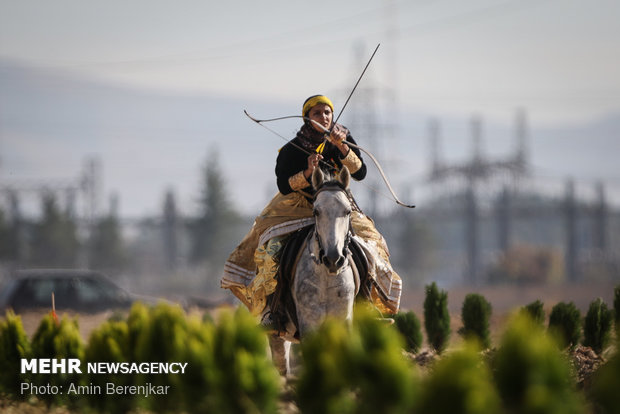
124 148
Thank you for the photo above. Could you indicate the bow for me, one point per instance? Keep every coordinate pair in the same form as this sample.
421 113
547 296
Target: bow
327 132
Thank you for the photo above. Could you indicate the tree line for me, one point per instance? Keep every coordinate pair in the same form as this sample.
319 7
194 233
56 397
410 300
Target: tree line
58 238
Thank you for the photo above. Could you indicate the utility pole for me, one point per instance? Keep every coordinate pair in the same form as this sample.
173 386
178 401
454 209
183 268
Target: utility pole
502 211
472 236
600 220
570 215
363 121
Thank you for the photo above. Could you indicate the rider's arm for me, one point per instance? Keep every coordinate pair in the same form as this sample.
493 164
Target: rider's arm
353 161
290 167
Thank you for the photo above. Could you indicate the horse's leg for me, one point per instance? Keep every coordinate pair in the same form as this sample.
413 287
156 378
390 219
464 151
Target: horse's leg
280 350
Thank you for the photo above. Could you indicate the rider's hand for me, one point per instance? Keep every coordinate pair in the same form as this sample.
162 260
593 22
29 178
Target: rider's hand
339 134
313 162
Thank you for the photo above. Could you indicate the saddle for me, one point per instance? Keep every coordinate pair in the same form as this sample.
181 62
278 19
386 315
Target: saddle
281 301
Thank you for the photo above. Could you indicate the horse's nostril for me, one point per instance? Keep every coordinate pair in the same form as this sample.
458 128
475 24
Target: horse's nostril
333 262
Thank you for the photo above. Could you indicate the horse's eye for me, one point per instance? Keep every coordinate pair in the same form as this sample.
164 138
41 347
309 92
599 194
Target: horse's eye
315 212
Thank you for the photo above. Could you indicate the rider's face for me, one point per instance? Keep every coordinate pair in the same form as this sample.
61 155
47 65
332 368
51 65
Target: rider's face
322 114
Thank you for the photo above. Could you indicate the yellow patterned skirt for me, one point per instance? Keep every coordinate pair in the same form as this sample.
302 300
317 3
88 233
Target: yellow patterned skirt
250 269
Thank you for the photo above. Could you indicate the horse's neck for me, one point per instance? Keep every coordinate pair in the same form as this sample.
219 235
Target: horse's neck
319 294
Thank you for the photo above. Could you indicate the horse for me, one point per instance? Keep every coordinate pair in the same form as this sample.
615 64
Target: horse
325 280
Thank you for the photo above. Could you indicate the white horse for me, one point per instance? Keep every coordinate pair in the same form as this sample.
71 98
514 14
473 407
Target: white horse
325 282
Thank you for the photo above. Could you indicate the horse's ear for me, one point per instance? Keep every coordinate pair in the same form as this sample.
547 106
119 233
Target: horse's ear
345 176
317 178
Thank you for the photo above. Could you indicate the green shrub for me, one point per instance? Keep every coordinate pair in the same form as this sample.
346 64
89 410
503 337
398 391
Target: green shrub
243 379
323 383
62 341
597 327
536 311
138 322
476 313
227 369
408 325
436 317
110 343
198 381
459 383
381 376
565 324
357 369
162 340
14 346
531 374
605 386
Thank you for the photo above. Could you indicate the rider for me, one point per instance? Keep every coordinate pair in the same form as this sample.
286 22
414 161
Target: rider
250 270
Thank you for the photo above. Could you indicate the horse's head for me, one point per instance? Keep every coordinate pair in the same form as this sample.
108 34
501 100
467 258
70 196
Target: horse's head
332 213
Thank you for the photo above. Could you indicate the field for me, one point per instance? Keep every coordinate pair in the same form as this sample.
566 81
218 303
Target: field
504 300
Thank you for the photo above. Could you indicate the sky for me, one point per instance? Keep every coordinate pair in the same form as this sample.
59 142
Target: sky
450 59
558 58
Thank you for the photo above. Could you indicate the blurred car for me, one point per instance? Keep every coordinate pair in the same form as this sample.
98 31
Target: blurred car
77 290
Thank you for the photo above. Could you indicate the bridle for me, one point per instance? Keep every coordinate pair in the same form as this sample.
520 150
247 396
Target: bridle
332 186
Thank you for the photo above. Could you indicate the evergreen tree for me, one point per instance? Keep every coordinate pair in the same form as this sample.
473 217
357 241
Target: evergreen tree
476 315
565 324
54 238
170 229
436 317
106 245
597 326
212 229
11 245
4 237
536 311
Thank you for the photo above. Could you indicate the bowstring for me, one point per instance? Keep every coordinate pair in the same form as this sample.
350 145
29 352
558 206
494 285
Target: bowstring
365 184
292 143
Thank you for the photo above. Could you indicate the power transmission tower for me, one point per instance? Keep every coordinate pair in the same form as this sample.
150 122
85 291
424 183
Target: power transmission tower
86 188
474 172
366 123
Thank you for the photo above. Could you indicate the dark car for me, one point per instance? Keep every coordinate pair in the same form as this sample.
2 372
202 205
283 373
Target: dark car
78 290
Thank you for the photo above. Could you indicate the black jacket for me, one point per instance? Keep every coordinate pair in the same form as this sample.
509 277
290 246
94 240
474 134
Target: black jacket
291 160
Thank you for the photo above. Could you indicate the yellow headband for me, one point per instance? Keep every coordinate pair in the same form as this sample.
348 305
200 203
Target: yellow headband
314 100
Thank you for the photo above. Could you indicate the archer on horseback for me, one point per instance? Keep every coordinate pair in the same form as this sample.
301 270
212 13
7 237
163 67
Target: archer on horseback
251 268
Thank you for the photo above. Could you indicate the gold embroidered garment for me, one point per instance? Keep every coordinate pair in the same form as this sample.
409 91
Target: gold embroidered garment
250 270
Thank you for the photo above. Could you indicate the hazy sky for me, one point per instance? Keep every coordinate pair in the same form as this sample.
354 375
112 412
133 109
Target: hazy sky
558 58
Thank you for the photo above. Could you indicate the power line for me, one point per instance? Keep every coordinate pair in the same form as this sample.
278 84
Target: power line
247 47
